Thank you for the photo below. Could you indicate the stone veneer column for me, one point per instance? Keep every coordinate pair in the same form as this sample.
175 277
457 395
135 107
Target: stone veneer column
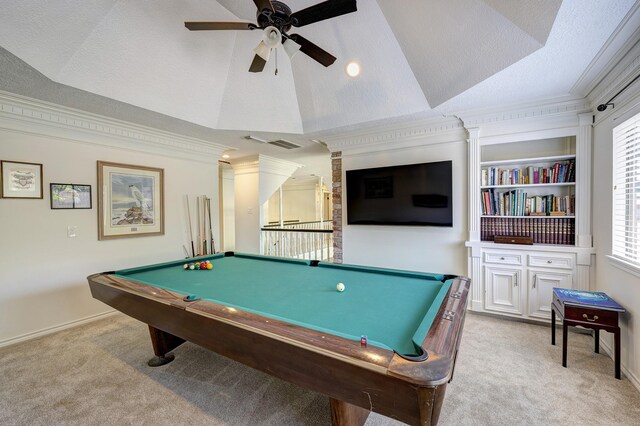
336 178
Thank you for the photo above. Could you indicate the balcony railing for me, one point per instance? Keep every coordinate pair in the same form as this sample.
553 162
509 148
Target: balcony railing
299 240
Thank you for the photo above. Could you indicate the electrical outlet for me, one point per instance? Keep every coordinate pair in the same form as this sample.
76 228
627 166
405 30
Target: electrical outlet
72 231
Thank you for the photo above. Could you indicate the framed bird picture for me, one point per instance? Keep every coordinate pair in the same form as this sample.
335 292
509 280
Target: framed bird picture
130 201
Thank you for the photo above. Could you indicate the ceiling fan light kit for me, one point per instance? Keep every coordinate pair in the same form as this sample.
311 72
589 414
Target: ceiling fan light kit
275 19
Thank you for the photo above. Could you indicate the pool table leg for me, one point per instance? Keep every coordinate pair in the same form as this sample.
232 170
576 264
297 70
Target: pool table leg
345 414
163 343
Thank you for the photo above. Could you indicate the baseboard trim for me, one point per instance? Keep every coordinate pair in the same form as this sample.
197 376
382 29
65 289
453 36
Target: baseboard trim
632 377
56 328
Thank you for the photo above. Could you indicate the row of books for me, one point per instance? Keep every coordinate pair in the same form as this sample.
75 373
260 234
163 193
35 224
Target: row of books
558 173
542 230
517 203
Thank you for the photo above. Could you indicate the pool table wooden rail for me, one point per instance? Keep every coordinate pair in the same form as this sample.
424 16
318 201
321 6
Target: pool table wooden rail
356 379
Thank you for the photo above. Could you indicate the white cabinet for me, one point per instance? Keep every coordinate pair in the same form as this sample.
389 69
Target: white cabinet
540 288
520 282
503 289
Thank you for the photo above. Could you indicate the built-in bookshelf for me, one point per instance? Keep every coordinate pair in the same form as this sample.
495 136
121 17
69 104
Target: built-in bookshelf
532 196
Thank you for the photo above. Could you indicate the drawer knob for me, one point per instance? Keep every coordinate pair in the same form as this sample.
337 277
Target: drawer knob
502 258
549 261
585 316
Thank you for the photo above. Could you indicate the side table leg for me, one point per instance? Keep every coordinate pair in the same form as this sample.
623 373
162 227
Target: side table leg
564 344
553 326
616 336
596 336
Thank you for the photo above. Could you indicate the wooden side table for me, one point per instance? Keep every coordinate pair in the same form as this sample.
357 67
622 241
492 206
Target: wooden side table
595 311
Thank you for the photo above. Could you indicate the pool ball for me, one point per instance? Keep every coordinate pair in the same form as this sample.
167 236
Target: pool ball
340 287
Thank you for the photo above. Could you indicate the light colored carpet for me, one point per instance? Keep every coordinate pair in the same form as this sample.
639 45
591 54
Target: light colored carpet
507 374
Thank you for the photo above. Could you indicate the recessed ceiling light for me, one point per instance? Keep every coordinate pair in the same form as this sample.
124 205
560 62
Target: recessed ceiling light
353 69
225 155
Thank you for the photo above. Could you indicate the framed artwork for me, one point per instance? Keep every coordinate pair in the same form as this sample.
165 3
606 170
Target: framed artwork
130 201
20 180
70 196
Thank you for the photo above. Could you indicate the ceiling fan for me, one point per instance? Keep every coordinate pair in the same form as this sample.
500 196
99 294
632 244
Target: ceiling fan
275 19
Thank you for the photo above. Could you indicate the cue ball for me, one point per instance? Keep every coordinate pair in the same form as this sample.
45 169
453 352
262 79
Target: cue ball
340 287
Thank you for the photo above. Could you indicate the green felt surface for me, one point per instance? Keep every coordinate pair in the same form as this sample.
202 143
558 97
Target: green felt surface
392 308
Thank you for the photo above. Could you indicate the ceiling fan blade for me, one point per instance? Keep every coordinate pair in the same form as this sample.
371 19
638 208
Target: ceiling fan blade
202 26
321 11
263 4
258 64
313 51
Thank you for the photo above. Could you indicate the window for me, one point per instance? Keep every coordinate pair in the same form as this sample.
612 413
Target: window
626 191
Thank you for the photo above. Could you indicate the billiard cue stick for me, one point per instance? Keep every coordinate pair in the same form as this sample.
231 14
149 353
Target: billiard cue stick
213 243
204 224
186 251
193 250
199 226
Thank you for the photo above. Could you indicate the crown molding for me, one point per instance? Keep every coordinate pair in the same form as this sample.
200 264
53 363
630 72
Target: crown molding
396 136
532 116
32 116
277 166
264 164
619 76
614 50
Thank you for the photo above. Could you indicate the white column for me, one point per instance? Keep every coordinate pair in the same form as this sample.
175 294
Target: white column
280 206
473 268
321 202
583 181
474 183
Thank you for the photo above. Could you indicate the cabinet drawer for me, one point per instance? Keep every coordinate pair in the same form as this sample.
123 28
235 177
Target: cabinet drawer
503 258
545 260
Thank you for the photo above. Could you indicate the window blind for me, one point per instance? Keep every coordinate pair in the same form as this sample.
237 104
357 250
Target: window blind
626 191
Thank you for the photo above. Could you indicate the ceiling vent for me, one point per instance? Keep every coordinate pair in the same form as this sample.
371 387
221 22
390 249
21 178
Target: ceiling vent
284 144
253 138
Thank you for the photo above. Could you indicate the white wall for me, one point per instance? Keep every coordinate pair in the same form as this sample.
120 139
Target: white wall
43 272
418 248
299 202
623 286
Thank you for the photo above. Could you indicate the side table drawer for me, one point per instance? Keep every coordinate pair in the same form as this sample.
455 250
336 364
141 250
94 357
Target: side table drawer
588 315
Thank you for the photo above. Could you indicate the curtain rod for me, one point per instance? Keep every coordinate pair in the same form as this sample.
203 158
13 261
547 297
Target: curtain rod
602 107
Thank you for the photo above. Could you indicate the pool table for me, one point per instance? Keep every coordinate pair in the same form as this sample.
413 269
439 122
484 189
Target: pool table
387 343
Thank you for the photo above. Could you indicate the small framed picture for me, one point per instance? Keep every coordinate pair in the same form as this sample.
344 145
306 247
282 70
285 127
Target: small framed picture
70 196
130 201
20 180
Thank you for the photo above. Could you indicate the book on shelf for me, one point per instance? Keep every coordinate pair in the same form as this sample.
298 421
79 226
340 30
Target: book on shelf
558 172
542 230
587 299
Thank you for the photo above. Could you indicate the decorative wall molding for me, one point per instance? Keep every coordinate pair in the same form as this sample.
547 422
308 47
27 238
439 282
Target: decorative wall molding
612 52
501 120
402 135
277 166
264 164
26 115
618 77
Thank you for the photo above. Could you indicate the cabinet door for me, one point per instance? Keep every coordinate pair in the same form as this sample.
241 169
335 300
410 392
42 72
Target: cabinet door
503 289
541 285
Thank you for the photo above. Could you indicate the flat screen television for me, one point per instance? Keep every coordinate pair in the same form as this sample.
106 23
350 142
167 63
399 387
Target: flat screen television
412 195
